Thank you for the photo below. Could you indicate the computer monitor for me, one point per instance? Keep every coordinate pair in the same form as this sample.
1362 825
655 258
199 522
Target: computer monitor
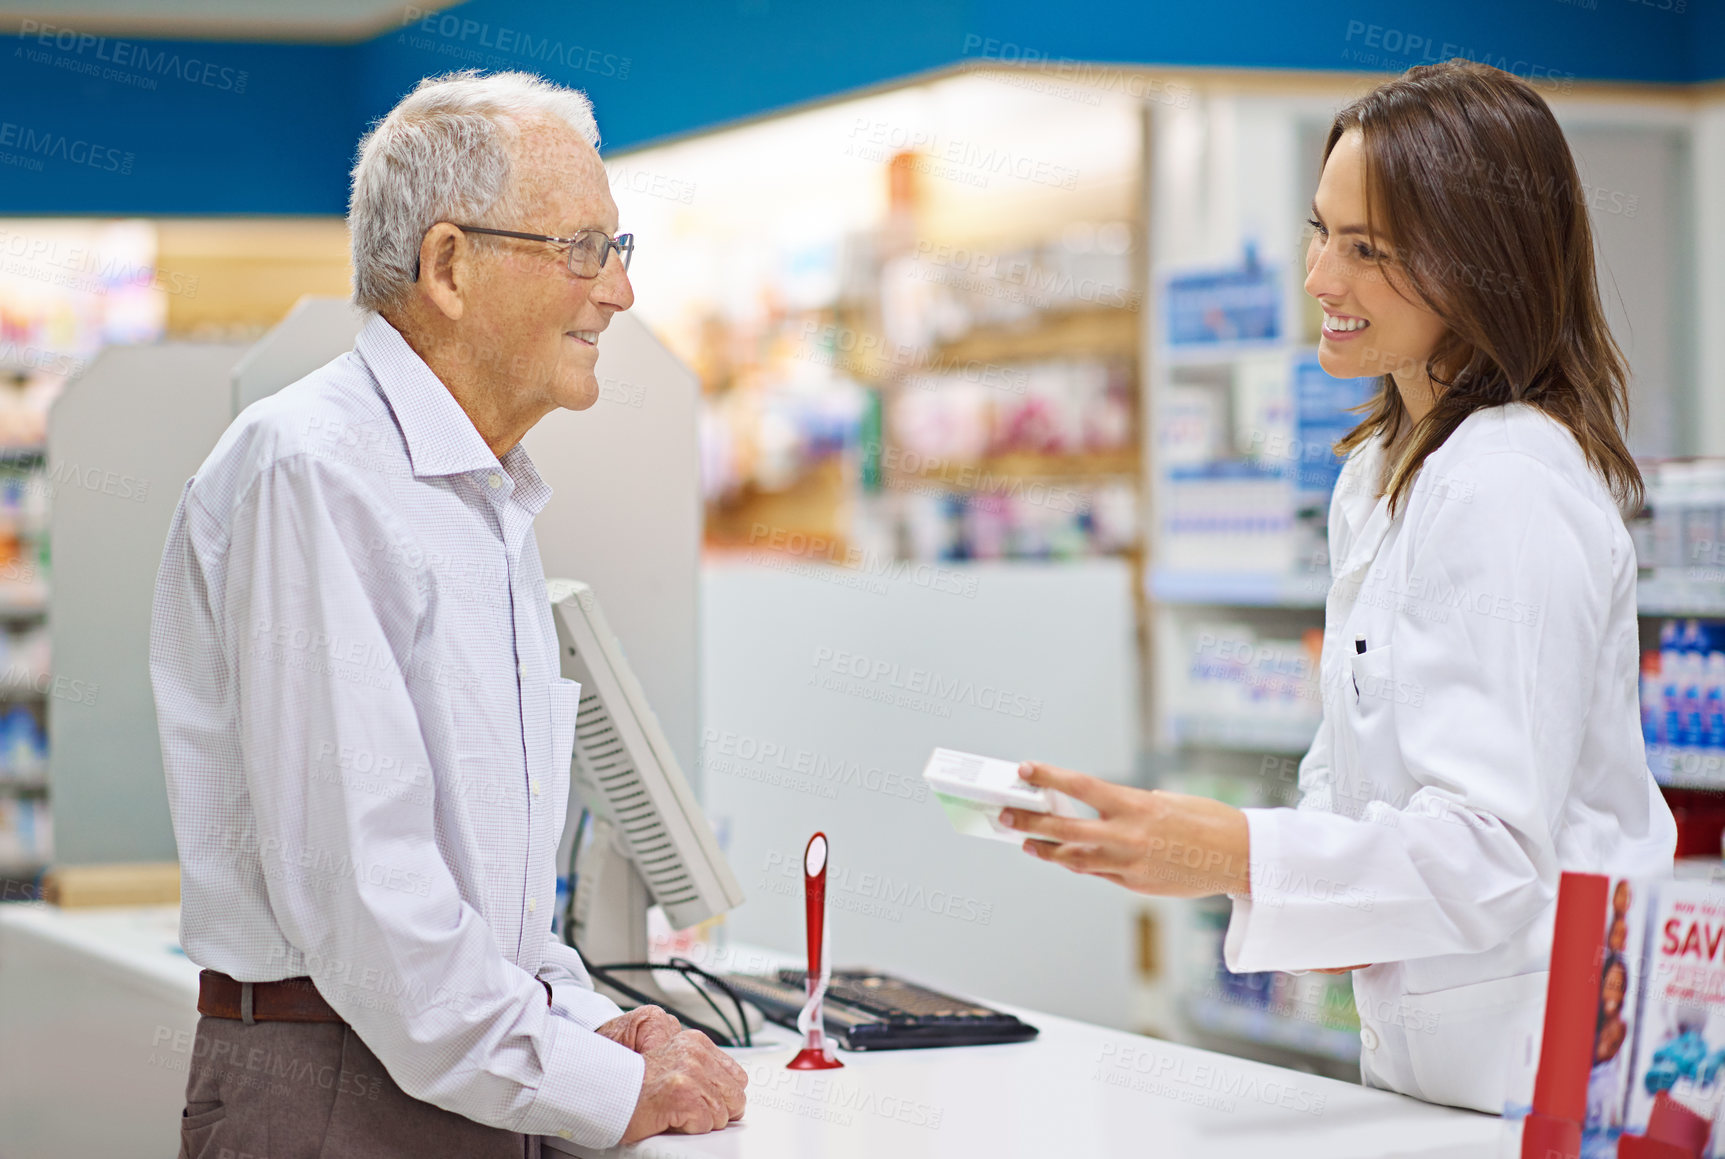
650 843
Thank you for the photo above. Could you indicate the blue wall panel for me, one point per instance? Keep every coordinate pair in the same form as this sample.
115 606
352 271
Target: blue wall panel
113 125
110 125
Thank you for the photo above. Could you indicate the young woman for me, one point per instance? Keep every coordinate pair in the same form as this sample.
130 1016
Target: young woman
1481 727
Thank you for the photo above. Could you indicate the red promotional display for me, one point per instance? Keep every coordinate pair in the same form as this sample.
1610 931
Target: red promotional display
1553 1128
817 1052
1632 1062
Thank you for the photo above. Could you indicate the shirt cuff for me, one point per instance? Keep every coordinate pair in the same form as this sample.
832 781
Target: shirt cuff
589 1089
1249 945
582 1005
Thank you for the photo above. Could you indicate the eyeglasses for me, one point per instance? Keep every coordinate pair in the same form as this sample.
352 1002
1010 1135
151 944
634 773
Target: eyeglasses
587 250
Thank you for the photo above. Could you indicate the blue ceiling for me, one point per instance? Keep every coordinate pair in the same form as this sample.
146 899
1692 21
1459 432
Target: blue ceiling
94 125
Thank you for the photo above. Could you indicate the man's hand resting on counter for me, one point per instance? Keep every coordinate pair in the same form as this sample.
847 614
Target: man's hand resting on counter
690 1087
642 1029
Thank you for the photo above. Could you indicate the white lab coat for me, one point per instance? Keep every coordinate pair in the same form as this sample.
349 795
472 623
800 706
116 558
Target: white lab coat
1488 738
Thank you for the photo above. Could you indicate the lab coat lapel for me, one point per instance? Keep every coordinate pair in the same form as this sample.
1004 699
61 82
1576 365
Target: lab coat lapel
1365 516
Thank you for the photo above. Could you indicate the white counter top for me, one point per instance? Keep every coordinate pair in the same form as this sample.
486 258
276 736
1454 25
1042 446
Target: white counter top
1077 1090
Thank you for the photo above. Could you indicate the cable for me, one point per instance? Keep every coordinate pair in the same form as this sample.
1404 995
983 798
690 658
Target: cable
737 1037
583 834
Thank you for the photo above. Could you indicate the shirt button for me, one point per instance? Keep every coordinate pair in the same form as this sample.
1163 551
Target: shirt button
1368 1036
532 905
566 1133
534 781
494 480
521 670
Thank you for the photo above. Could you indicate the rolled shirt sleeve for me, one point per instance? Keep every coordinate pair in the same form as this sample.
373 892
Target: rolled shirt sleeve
1490 742
355 878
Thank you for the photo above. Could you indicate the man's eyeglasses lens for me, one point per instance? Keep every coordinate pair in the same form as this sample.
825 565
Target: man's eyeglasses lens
591 249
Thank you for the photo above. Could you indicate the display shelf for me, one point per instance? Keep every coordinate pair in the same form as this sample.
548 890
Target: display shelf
1101 332
1223 353
1683 767
1655 596
1255 1024
22 605
1119 462
23 786
1680 595
1242 733
1236 588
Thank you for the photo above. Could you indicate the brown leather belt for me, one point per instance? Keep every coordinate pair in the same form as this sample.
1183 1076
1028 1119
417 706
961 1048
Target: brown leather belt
289 1000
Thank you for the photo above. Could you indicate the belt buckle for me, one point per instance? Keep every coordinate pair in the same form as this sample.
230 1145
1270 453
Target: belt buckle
246 1004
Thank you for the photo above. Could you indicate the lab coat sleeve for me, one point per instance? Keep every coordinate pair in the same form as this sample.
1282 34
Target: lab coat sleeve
572 993
355 877
1495 654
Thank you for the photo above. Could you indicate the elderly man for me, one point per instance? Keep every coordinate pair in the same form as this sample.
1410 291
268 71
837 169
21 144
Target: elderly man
366 736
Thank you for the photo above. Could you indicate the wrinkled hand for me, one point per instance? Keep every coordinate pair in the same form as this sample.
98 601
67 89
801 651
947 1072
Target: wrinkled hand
690 1087
1152 841
642 1029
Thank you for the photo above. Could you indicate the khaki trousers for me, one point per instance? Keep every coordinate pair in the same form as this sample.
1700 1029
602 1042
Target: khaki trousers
313 1090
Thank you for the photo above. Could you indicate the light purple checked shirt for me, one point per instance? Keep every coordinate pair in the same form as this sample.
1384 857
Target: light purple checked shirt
367 741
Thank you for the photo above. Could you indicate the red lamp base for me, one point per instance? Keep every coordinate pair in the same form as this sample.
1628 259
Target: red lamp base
809 1058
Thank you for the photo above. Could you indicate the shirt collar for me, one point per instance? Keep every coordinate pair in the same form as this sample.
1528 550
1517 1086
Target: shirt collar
441 439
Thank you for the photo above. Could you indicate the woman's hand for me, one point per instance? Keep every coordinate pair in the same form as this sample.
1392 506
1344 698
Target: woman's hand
1152 842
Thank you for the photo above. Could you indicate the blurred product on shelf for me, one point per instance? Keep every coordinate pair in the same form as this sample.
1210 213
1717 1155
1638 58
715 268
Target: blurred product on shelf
1683 704
926 359
67 288
1064 407
24 659
1247 461
23 746
1242 690
940 292
1228 516
770 439
1224 307
1313 1013
1680 533
1031 520
26 835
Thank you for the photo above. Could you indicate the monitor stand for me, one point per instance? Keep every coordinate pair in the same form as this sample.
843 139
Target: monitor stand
611 903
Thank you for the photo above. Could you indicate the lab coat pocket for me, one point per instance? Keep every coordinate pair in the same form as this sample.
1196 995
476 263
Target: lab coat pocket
1460 1040
1368 724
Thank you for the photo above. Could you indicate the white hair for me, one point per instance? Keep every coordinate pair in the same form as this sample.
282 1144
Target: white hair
443 154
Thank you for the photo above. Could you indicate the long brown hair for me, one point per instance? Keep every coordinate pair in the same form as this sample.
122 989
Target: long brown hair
1470 179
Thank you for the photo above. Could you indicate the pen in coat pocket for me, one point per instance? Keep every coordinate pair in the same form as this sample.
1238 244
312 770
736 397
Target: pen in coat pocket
1359 648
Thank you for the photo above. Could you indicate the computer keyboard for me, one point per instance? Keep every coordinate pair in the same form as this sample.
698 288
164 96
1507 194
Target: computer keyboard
866 1010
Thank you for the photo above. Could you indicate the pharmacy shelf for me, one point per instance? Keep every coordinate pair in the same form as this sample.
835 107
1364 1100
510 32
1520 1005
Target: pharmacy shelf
22 456
1242 733
22 786
1682 767
1114 463
1238 588
1655 595
1101 332
1665 595
1255 1024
